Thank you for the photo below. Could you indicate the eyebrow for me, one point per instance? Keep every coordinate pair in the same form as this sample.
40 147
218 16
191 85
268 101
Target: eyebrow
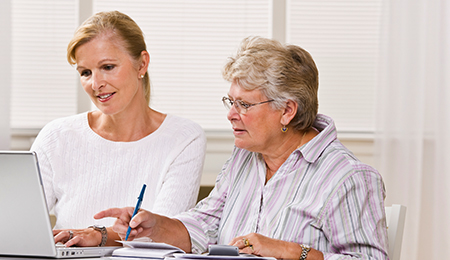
98 63
240 99
230 97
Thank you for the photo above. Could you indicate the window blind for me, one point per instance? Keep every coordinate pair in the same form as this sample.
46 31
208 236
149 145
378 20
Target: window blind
189 42
343 37
43 83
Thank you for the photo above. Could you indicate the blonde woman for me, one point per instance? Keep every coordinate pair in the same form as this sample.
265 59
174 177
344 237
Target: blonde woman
100 159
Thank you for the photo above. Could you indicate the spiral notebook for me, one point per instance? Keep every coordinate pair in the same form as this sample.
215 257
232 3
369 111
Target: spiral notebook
24 219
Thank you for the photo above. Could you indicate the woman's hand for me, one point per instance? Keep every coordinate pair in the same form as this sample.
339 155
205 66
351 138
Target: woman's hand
264 246
78 237
141 225
146 224
260 245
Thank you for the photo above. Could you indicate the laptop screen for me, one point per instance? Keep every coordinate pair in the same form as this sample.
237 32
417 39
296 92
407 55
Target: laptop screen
25 223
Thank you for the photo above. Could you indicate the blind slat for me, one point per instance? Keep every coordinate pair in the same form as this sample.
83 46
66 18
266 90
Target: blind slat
189 42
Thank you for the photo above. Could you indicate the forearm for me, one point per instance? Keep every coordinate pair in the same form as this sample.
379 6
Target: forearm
314 255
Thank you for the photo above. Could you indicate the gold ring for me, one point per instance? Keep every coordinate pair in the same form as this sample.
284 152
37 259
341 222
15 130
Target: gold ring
246 242
251 247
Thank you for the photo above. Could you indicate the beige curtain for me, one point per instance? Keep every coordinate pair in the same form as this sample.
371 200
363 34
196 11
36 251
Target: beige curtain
412 143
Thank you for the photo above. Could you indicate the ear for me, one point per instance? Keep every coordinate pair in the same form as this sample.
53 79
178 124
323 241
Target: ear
144 62
289 112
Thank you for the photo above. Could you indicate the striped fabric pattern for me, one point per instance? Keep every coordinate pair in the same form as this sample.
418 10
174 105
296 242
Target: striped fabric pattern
322 196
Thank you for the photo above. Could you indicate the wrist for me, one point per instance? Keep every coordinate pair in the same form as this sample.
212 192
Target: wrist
304 252
103 232
292 250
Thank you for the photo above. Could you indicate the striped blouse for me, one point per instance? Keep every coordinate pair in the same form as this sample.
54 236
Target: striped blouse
322 196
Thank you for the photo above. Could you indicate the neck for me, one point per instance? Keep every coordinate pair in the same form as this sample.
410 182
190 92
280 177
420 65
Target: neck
125 128
289 145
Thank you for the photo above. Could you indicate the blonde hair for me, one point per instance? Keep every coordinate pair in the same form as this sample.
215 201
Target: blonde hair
121 25
281 72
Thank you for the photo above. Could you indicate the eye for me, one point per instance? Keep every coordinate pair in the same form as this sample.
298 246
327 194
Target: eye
108 67
228 100
85 73
243 104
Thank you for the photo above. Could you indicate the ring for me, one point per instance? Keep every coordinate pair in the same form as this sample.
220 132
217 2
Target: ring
70 235
246 242
251 247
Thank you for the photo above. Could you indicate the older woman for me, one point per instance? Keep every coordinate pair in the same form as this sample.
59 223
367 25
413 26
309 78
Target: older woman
290 189
103 157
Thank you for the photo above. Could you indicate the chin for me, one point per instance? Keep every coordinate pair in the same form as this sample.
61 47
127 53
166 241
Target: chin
108 110
239 143
243 145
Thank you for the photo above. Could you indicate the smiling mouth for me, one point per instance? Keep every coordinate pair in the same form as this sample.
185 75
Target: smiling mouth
105 97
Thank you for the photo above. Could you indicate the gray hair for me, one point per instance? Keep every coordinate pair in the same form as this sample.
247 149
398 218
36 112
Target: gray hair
280 72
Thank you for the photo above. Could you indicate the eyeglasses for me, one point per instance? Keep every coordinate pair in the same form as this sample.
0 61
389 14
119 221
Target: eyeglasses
241 106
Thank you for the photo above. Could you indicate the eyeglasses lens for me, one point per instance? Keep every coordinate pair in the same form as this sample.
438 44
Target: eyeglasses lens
228 103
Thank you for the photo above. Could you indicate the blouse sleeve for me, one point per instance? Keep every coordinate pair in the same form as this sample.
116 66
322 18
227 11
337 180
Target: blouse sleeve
354 219
202 222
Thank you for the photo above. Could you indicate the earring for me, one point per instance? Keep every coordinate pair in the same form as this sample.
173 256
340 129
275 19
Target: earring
284 129
142 76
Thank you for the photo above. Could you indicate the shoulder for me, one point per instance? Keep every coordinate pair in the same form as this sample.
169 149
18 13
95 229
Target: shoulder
325 151
60 133
176 126
333 163
177 121
176 135
340 166
239 160
64 125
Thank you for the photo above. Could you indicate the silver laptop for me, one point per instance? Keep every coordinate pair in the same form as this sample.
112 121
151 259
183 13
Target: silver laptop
25 228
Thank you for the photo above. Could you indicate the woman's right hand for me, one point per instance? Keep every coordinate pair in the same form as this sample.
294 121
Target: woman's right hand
77 237
141 224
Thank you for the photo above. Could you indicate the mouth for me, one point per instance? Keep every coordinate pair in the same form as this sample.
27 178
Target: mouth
238 130
105 97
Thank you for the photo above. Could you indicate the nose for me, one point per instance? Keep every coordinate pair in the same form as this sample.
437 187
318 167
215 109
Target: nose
232 113
97 81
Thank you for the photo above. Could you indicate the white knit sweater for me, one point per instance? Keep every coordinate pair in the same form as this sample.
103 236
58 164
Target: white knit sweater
84 173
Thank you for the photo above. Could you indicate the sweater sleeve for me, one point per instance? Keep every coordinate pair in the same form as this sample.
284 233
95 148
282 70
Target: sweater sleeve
42 144
180 186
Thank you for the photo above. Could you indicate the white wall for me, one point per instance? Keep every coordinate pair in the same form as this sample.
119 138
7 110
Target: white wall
5 74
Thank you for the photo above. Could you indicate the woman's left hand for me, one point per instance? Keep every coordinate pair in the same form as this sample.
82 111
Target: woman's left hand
260 245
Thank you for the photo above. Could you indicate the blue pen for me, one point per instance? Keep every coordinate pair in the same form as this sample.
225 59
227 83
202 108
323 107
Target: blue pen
136 209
